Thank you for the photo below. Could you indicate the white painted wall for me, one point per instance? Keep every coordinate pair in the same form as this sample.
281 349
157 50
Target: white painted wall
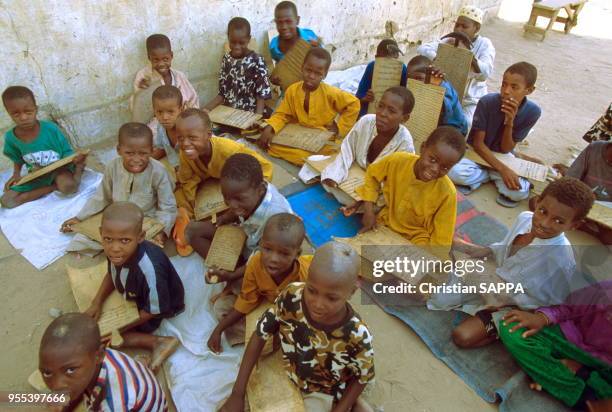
80 56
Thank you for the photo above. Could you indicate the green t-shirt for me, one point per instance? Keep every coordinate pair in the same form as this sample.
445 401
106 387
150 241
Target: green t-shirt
48 147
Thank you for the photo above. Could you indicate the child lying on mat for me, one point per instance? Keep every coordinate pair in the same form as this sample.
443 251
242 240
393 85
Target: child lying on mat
311 103
277 264
160 55
386 48
140 271
35 143
535 254
567 349
251 200
73 360
201 157
318 328
167 105
134 177
243 76
420 200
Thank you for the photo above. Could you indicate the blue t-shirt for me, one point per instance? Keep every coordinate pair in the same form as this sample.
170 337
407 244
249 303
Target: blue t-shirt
305 34
490 119
366 84
453 112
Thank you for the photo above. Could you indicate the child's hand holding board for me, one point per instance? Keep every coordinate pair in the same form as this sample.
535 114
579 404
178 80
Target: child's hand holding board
224 252
76 158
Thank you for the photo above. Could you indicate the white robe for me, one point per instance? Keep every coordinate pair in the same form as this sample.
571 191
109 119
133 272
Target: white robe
355 147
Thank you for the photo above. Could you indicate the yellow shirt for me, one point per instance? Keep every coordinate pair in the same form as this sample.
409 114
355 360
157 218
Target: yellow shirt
257 283
424 212
193 172
326 102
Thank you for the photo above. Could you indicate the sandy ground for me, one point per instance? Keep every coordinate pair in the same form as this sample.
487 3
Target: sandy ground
573 90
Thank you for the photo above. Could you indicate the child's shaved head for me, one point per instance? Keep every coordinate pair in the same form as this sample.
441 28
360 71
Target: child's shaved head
134 130
75 330
17 92
168 92
158 41
70 354
193 112
290 225
125 212
338 262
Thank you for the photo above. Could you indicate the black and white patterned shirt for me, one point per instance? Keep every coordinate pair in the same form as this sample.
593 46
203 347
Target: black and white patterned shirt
243 81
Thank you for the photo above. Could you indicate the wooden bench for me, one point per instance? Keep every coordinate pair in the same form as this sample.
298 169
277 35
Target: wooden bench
550 9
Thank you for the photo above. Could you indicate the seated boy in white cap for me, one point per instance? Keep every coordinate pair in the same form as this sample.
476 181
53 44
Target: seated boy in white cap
468 23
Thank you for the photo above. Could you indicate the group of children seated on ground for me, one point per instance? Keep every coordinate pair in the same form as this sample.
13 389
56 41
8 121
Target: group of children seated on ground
328 350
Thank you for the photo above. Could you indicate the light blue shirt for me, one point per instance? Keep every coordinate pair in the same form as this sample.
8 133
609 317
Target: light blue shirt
305 34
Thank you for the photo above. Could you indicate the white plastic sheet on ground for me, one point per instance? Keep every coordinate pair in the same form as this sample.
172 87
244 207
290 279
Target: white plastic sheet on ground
199 380
34 227
347 79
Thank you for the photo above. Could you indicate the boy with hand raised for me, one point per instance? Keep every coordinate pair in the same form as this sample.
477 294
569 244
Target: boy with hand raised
160 55
501 121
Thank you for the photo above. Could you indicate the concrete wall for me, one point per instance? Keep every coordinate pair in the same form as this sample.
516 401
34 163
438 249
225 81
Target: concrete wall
79 56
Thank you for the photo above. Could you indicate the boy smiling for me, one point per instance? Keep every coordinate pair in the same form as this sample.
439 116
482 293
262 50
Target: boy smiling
202 156
535 253
421 202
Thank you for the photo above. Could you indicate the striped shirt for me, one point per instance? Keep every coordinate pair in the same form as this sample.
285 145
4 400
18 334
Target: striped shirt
125 385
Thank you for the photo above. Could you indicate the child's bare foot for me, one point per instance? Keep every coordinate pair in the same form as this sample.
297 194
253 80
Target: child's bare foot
533 385
165 346
603 405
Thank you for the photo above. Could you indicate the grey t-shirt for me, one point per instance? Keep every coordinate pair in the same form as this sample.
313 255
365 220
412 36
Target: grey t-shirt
592 168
